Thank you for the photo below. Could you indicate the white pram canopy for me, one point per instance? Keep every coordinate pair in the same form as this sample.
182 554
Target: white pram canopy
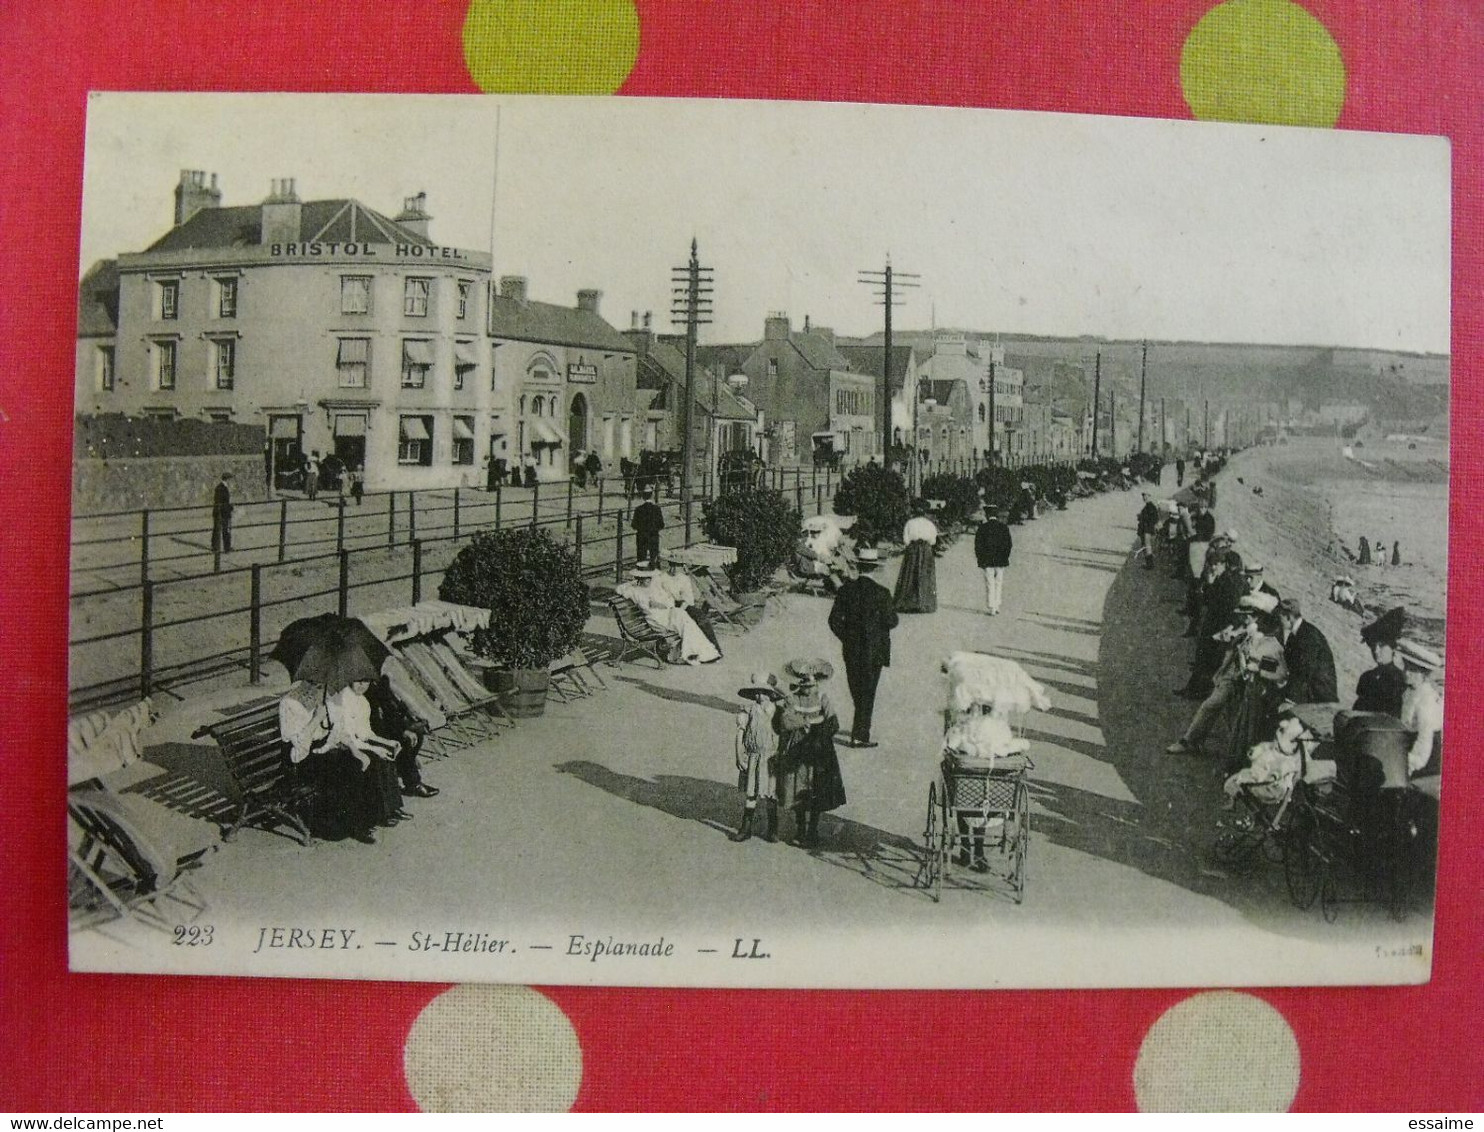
976 679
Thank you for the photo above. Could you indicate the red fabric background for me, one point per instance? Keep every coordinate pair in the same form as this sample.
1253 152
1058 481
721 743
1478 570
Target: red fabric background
77 1043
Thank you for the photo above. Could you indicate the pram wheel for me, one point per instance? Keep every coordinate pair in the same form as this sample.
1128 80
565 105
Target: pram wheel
935 848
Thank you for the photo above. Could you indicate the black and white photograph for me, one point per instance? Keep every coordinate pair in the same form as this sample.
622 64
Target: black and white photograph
757 544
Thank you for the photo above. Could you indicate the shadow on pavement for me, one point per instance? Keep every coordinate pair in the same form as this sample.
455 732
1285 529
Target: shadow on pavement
887 859
680 695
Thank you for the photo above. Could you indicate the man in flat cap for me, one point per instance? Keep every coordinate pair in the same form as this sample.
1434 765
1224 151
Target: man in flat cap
1311 664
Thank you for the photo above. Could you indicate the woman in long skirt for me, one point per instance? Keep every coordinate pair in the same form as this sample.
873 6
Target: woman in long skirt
917 584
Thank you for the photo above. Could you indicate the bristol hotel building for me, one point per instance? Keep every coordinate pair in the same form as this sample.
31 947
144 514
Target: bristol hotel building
338 330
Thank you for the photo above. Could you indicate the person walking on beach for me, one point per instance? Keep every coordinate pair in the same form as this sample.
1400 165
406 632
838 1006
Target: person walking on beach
992 545
863 617
221 514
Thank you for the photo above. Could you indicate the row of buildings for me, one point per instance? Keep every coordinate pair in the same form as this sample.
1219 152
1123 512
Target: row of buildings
339 329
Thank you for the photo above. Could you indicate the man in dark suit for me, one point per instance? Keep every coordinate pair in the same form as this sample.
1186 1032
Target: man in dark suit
992 545
863 616
221 514
648 522
1311 664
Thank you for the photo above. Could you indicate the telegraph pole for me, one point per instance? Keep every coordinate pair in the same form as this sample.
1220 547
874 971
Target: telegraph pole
1143 373
886 282
1097 400
690 306
994 447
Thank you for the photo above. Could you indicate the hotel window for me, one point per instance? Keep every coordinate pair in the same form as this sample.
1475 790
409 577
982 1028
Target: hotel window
226 298
224 361
463 440
772 367
353 362
981 413
164 365
168 292
104 365
355 294
465 289
417 361
464 362
415 441
415 298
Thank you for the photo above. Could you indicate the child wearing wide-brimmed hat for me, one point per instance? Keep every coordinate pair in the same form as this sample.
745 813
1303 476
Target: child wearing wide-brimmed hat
757 748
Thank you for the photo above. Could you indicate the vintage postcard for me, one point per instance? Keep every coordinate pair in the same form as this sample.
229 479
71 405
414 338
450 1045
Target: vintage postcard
626 541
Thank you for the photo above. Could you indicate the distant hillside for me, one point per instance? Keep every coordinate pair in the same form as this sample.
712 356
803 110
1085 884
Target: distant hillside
1393 386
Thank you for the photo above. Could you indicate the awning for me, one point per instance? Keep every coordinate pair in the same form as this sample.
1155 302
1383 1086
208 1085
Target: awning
417 352
284 428
461 429
414 428
350 424
354 351
464 356
544 432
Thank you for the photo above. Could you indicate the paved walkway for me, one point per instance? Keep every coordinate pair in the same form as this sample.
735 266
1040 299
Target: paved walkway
609 816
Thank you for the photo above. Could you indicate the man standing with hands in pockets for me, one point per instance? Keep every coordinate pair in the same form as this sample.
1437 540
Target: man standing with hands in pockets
863 616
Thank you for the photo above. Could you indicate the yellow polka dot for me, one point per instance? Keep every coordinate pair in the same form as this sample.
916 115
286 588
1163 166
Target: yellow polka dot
1263 61
492 1049
551 46
1218 1051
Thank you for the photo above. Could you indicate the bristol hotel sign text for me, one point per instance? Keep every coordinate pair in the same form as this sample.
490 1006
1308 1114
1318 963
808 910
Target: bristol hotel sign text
325 249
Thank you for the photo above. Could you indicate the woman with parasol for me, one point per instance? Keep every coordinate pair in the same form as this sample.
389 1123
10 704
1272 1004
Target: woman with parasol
326 720
809 780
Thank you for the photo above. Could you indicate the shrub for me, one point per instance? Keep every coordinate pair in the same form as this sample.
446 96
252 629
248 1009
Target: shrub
760 524
877 497
960 496
531 584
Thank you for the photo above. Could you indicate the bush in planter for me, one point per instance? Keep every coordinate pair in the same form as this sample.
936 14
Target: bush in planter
531 584
877 497
760 524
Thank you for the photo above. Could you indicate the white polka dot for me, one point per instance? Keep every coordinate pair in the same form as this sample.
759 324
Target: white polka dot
492 1049
1218 1051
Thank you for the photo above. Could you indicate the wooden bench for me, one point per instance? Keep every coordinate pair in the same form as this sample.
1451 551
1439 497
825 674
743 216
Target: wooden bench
640 638
269 793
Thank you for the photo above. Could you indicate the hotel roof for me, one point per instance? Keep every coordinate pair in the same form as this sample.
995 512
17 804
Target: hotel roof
326 221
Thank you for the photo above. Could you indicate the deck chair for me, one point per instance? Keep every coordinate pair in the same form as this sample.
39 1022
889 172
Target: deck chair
134 855
639 637
471 719
573 676
471 688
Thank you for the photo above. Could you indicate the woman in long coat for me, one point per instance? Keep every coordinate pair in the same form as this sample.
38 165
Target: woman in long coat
809 779
917 584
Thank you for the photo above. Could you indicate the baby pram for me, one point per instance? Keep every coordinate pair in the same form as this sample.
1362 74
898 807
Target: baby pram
978 812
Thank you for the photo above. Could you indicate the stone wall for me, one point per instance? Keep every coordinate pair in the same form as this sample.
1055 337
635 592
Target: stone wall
161 481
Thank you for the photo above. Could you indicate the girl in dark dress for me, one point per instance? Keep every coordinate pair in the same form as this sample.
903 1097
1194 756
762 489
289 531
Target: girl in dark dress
809 779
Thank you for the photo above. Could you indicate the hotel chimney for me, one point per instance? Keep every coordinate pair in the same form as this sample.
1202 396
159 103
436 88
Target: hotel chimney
282 214
193 194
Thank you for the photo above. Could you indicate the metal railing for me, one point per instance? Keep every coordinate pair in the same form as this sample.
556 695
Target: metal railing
176 630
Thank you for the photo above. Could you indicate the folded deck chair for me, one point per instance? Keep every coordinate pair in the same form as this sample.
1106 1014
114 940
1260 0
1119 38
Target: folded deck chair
135 854
469 718
471 688
574 676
